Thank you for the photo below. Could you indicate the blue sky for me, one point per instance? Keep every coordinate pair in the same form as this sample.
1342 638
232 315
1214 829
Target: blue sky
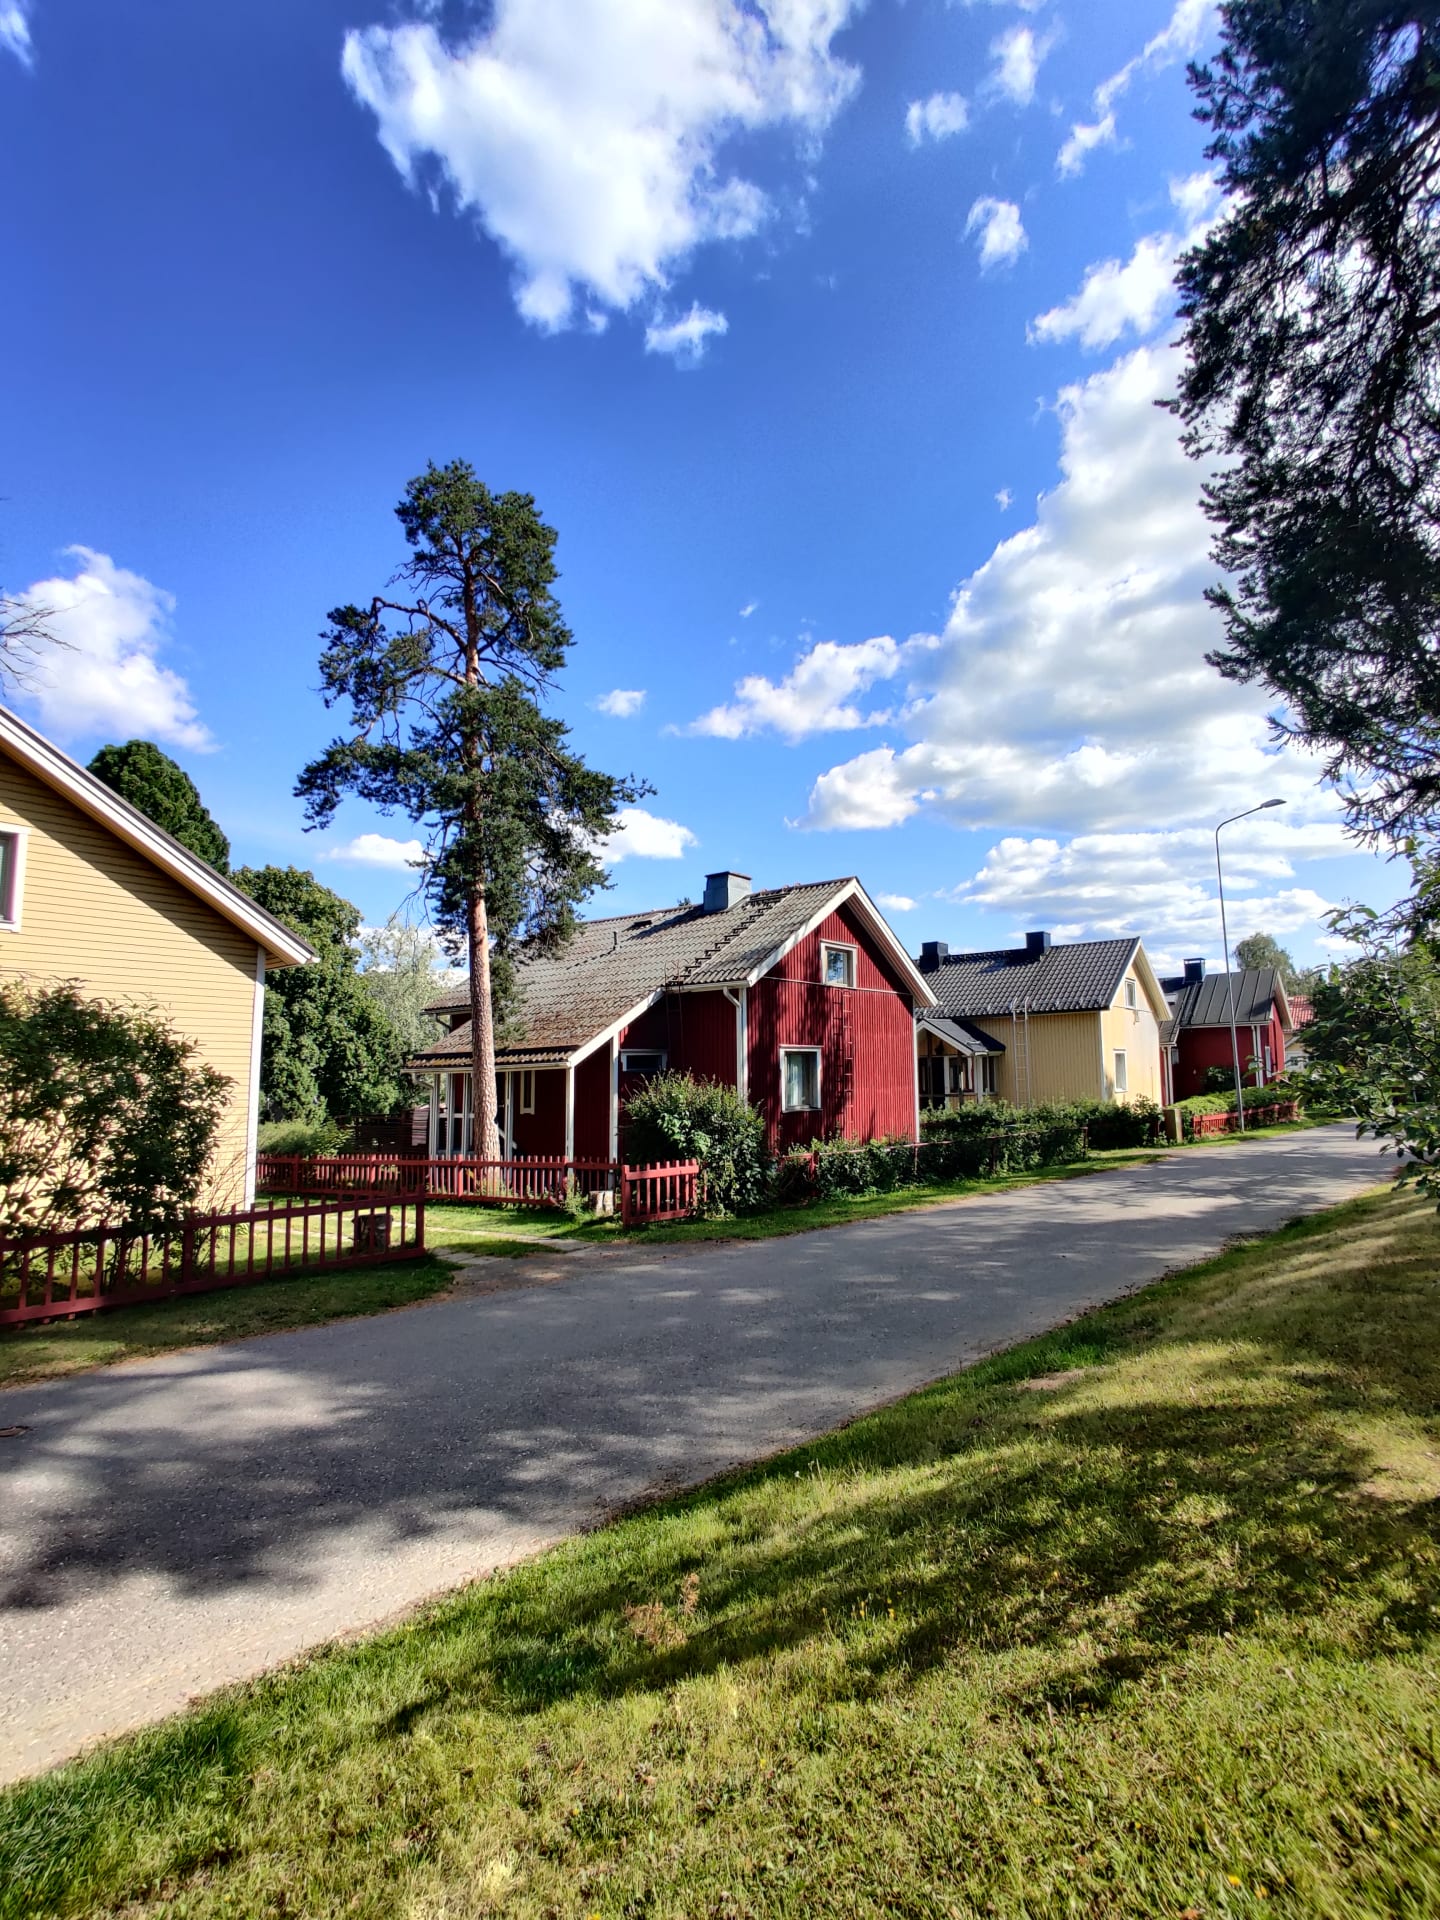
828 336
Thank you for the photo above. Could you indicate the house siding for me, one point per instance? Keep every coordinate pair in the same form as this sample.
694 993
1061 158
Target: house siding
1064 1057
96 912
1204 1047
1135 1032
543 1131
866 1037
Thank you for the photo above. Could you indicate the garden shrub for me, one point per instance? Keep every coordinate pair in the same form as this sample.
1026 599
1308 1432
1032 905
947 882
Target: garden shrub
306 1138
105 1111
677 1117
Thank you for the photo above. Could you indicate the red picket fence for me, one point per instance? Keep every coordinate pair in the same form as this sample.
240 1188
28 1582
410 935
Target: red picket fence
1205 1124
668 1190
533 1181
53 1276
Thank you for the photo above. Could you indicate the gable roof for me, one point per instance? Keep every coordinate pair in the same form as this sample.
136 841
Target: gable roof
614 968
1206 1003
1081 976
42 758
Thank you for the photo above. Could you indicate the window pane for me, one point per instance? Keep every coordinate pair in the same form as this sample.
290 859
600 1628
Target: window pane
7 876
1121 1082
802 1080
837 966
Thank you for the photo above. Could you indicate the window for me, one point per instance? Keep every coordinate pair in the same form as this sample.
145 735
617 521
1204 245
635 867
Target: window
837 966
648 1062
959 1076
1132 999
800 1079
1122 1074
12 876
986 1065
527 1090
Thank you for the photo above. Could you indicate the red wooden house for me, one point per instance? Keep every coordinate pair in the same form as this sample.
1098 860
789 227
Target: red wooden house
801 997
1197 1036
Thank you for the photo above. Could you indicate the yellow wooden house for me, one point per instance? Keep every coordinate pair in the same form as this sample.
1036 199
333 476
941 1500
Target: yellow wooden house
91 890
1074 1021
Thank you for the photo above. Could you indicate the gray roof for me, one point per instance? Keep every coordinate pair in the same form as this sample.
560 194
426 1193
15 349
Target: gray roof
1206 1003
612 965
963 1034
1079 977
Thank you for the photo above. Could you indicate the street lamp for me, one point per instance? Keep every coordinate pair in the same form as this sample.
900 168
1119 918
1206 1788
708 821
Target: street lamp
1225 936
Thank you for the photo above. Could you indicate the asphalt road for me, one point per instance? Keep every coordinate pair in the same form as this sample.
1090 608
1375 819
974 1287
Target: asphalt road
170 1525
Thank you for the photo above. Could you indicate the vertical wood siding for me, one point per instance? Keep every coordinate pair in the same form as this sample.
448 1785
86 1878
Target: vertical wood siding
1202 1047
592 1106
544 1130
97 912
1064 1057
1135 1032
866 1037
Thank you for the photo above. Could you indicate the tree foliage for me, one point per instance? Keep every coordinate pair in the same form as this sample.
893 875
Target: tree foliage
1312 326
398 969
330 1051
105 1111
442 682
676 1117
150 780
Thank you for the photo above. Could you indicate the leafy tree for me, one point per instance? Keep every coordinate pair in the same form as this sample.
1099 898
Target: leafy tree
1312 324
1260 950
442 684
150 780
329 1050
398 964
105 1111
676 1117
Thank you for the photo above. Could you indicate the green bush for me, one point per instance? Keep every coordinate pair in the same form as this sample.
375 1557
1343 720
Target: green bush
304 1137
677 1117
827 1169
1219 1080
1109 1123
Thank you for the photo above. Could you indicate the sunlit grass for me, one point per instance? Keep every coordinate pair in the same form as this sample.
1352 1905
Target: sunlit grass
1138 1619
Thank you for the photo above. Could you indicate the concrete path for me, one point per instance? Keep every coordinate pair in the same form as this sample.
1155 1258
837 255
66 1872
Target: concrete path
173 1524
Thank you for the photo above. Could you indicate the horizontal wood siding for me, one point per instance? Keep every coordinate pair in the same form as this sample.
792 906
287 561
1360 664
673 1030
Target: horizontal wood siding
544 1130
866 1036
95 911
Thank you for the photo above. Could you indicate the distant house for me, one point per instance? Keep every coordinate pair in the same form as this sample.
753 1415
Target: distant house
1079 1021
1198 1033
800 996
92 890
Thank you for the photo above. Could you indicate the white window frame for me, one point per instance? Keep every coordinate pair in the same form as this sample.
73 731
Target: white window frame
12 885
815 1055
1122 1070
644 1053
1132 992
526 1077
846 947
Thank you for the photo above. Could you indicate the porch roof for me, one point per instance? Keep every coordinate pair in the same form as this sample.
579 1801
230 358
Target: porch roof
963 1035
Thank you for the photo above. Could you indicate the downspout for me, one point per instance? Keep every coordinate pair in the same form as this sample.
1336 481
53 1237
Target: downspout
614 1096
569 1110
740 1002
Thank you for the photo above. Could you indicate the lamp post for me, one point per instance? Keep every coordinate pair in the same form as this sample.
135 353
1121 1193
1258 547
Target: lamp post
1225 937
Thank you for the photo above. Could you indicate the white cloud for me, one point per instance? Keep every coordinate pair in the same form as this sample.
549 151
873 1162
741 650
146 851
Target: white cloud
645 836
1004 499
587 137
748 609
379 850
1069 692
1002 237
1017 55
621 704
685 337
896 902
1132 296
816 696
938 118
1178 39
107 679
1159 885
15 31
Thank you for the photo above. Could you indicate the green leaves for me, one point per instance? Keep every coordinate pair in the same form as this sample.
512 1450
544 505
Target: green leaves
150 780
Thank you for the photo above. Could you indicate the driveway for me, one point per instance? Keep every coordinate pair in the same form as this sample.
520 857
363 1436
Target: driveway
174 1524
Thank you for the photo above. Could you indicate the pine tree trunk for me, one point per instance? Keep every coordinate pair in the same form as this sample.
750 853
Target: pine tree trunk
486 1135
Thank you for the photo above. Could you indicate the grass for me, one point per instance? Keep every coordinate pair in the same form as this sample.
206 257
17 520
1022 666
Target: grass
1138 1619
203 1320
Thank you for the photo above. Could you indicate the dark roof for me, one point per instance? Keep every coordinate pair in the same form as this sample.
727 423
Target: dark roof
1207 1004
612 965
1079 977
963 1034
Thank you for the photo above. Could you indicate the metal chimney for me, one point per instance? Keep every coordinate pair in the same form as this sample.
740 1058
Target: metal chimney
725 890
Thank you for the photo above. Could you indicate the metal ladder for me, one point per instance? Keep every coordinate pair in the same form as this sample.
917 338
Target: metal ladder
1020 1050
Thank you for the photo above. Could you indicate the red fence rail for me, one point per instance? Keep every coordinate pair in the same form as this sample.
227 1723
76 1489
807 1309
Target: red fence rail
53 1276
669 1190
533 1181
1260 1115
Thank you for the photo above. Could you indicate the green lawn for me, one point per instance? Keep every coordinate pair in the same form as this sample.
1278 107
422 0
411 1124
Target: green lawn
1139 1619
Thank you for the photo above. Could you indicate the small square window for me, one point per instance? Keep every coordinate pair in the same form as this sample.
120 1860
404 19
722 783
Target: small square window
837 966
800 1079
1122 1074
1132 998
12 877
